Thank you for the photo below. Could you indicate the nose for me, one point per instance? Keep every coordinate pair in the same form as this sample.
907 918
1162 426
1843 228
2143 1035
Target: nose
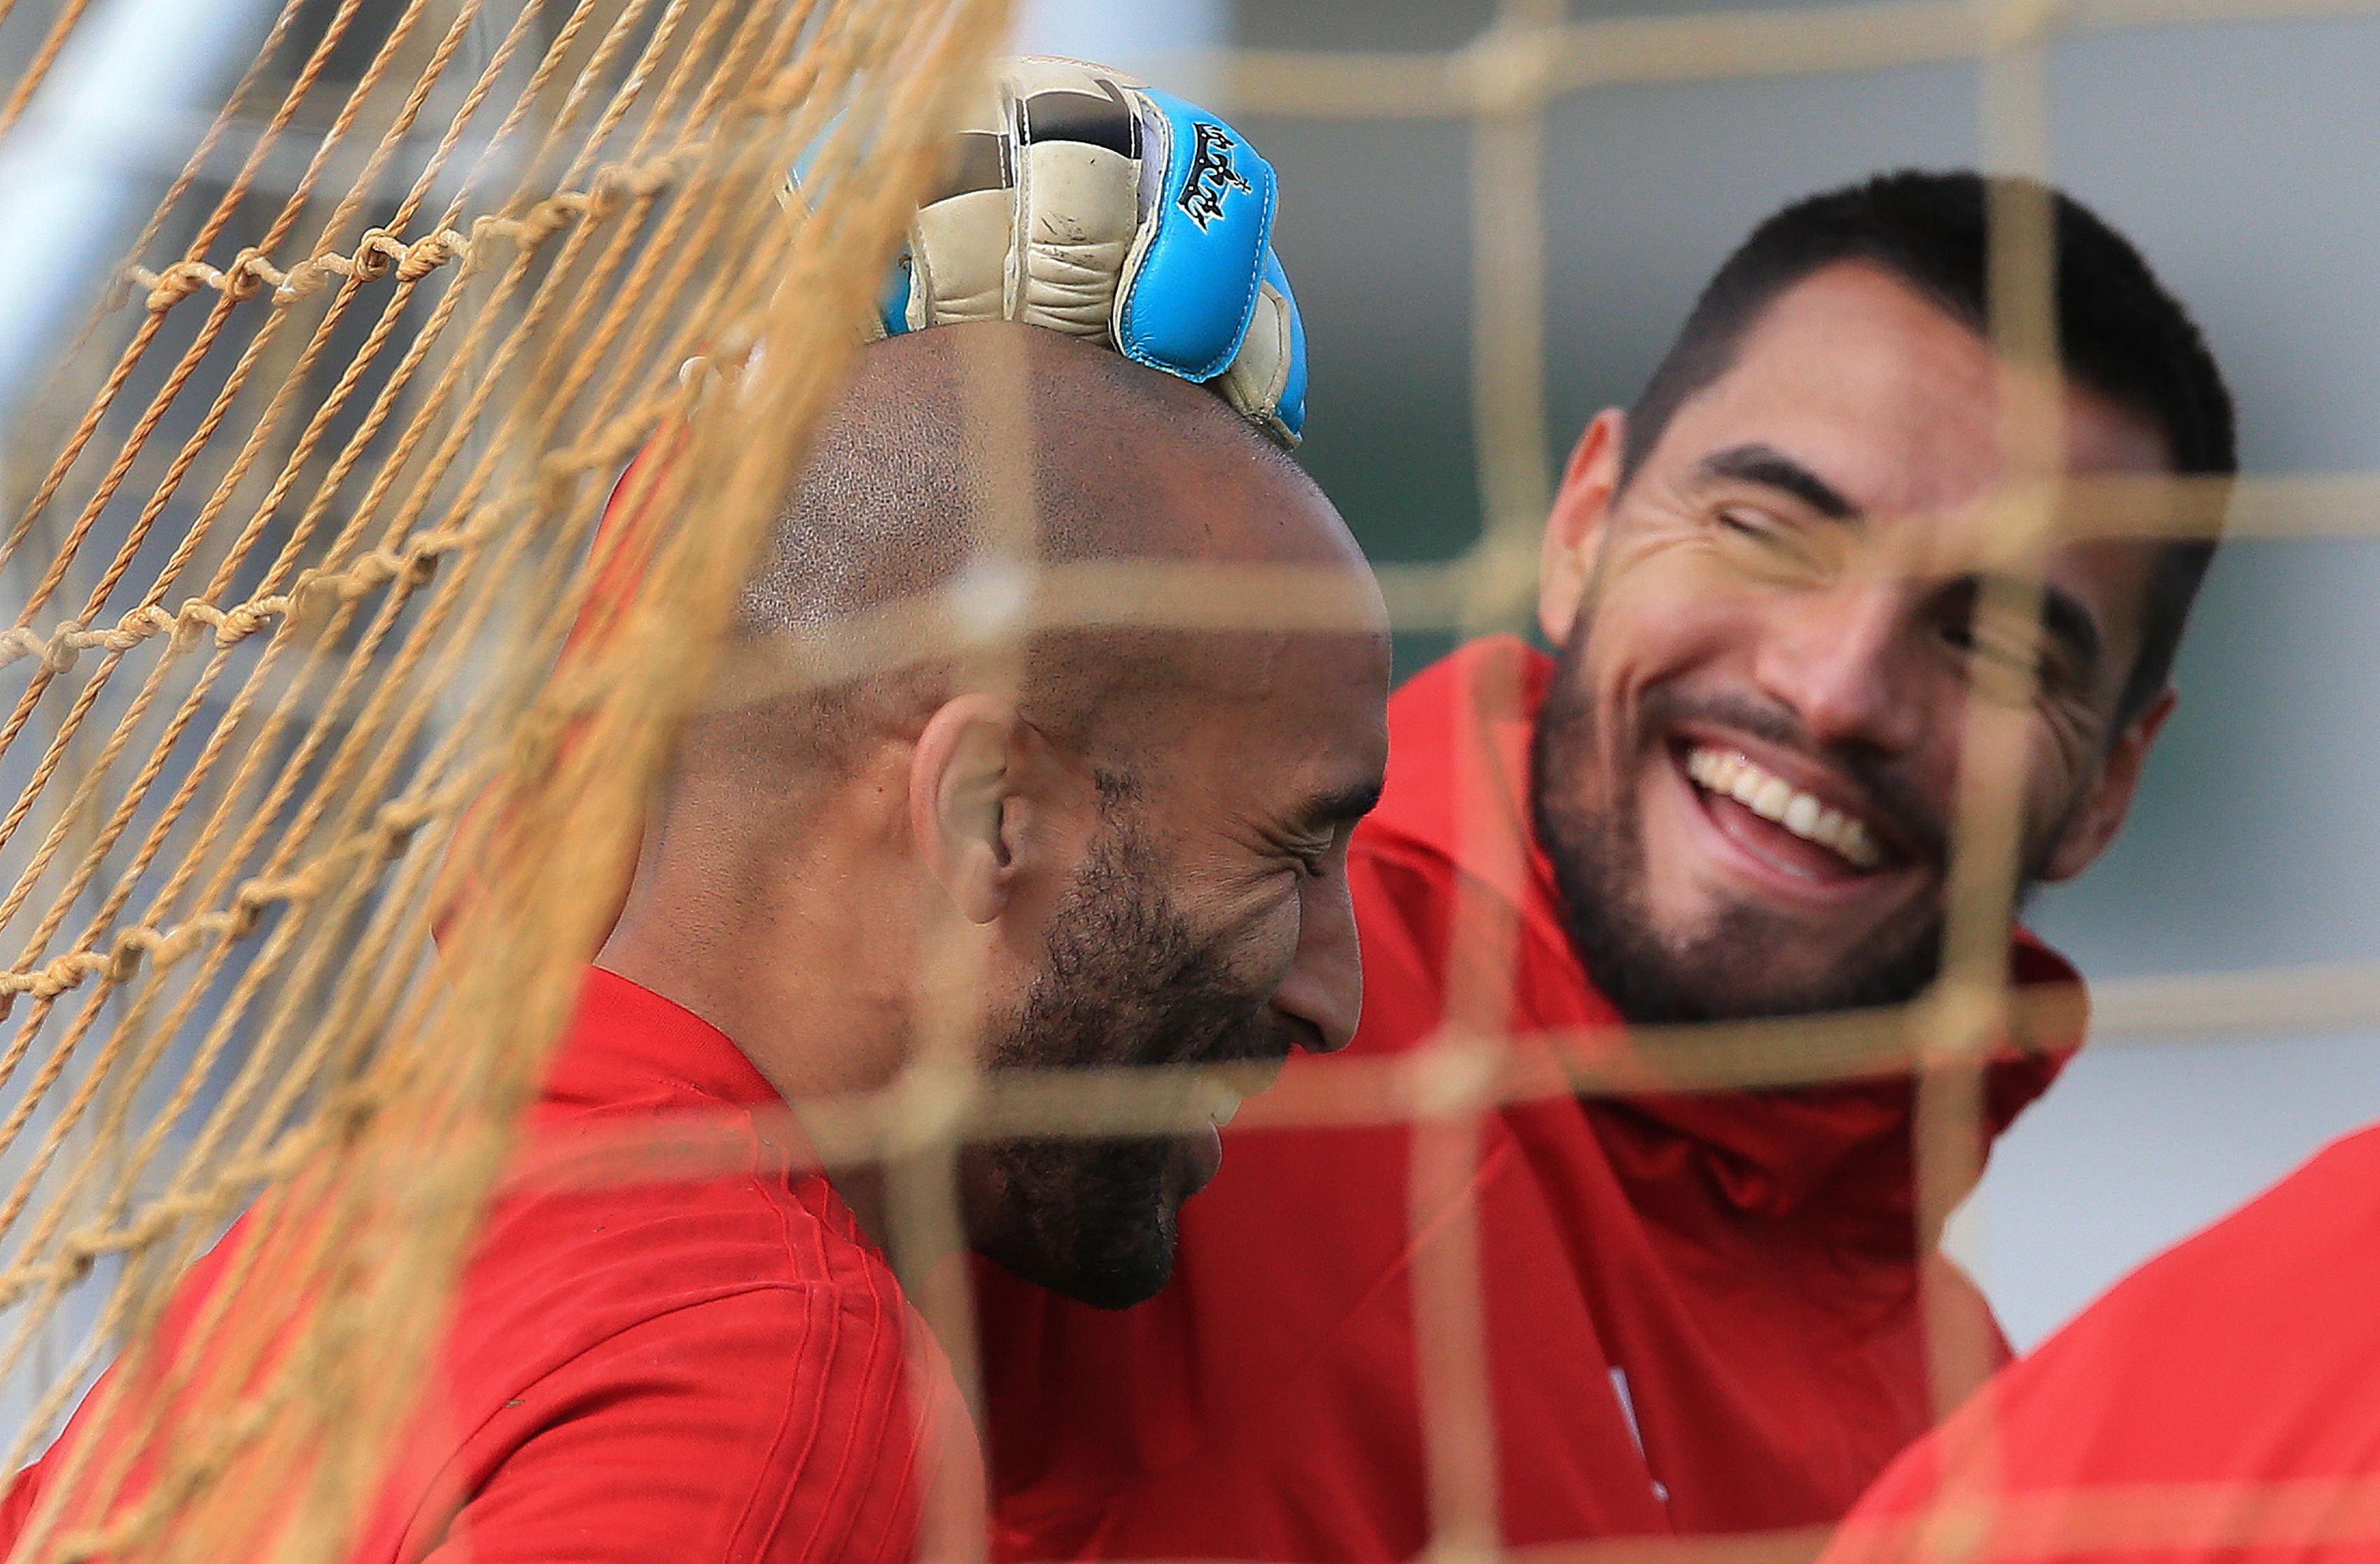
1844 664
1324 989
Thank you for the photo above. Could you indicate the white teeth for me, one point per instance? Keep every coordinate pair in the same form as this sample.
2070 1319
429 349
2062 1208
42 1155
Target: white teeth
1773 798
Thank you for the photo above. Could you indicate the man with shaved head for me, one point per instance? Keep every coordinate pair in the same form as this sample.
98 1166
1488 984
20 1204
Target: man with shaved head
1134 849
1137 840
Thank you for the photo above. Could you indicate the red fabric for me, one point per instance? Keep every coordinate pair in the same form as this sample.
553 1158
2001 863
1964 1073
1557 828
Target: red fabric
674 1370
2221 1403
1748 1261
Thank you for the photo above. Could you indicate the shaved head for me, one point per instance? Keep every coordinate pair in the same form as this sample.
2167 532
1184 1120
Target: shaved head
961 457
1135 832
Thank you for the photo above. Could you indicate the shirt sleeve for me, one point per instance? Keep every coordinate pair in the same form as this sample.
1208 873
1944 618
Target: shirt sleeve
17 1510
767 1426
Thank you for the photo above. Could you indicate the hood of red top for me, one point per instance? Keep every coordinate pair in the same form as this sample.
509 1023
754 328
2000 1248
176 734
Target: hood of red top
1458 791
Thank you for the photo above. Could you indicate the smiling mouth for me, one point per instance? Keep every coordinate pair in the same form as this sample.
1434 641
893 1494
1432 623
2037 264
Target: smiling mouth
1846 846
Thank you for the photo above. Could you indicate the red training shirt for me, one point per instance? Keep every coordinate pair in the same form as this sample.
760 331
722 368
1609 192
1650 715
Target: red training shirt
2223 1402
1701 1311
707 1370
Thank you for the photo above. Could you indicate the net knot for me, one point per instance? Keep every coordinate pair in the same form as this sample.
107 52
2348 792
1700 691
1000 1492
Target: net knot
377 251
249 902
425 256
195 616
374 569
54 978
400 820
422 556
244 620
249 274
125 950
64 647
176 283
1509 67
148 619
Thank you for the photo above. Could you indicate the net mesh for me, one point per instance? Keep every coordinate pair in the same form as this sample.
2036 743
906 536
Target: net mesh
290 582
295 532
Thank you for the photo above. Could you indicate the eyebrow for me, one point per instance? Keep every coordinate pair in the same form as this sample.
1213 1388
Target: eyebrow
1772 468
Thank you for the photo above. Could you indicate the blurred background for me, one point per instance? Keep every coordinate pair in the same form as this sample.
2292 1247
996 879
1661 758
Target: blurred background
2240 156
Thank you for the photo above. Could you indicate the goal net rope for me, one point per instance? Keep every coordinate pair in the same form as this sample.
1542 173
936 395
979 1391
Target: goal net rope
288 578
296 529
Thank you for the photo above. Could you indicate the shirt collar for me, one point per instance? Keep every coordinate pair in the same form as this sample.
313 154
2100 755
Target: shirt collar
623 1035
1458 789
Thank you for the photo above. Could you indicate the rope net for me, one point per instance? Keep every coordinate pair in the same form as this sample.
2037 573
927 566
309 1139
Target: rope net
295 534
291 576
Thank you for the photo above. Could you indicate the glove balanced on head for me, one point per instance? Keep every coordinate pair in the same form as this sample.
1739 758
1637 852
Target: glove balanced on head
1085 201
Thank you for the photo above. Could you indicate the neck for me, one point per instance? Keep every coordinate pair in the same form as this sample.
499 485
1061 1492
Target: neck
790 975
779 946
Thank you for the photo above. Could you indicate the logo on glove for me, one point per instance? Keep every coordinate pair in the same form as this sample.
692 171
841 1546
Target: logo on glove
1212 175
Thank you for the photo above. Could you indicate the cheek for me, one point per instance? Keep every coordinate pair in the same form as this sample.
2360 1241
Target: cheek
1674 616
2060 774
1264 946
1251 922
2050 776
1668 594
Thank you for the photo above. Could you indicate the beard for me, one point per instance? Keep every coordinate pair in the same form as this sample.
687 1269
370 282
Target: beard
1126 981
1736 966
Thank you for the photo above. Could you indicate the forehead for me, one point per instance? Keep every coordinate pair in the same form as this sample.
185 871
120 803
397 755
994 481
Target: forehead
1895 402
1282 715
1323 692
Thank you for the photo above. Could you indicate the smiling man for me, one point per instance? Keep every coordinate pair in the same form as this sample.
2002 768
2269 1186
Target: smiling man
1728 793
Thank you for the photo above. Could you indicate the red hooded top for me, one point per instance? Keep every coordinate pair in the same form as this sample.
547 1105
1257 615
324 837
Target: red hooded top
1701 1311
2221 1403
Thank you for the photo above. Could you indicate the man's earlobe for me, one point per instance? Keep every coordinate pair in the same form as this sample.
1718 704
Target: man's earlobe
2093 830
1566 557
963 798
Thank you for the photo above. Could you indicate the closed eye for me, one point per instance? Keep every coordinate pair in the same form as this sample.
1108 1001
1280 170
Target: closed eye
2061 651
1766 544
1322 828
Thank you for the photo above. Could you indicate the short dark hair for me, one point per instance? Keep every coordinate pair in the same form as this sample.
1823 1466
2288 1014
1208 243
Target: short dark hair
2119 334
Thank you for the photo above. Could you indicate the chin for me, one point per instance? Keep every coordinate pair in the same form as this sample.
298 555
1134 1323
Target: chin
1091 1221
1755 965
1109 1276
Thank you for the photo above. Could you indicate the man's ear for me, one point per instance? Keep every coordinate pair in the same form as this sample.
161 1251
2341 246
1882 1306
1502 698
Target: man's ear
2094 825
1575 527
966 801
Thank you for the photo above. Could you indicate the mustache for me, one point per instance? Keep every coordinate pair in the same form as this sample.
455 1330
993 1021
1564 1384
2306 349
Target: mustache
1883 787
1261 1038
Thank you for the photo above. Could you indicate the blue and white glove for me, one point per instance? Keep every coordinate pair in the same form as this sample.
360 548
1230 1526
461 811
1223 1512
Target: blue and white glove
1082 200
